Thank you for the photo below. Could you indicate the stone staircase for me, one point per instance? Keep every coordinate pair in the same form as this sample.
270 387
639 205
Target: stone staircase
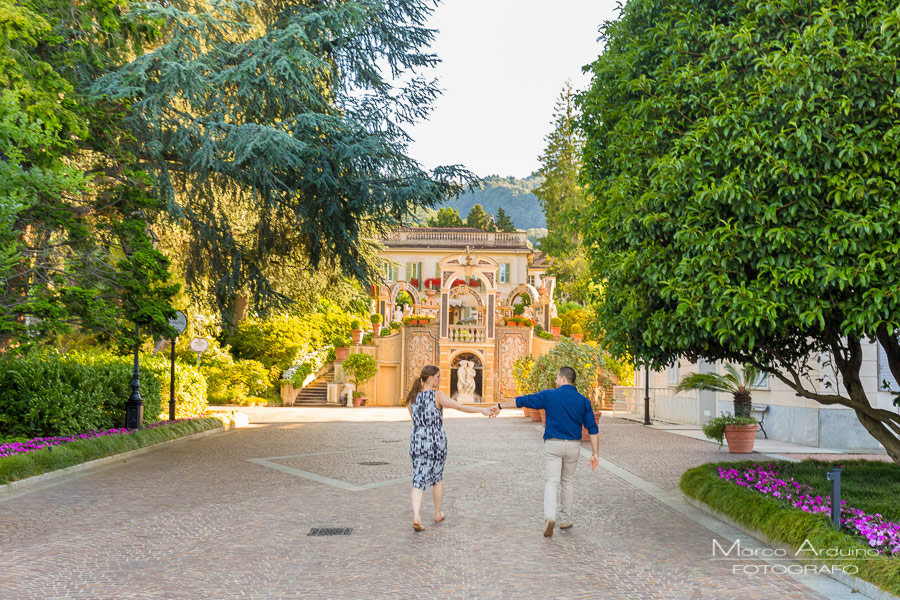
316 393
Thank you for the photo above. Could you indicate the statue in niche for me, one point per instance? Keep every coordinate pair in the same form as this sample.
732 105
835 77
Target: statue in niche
398 314
529 313
465 382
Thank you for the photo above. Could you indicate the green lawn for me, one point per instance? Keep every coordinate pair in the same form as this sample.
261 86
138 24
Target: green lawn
871 486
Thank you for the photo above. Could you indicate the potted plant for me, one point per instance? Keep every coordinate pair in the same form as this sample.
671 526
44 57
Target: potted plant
740 432
359 368
395 325
341 345
356 331
535 414
556 326
414 282
577 332
376 320
739 429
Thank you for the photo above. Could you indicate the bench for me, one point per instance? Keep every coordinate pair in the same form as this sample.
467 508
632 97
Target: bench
759 413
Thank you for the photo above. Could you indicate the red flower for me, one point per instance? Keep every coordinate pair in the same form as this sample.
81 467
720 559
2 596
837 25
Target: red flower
457 282
474 282
414 282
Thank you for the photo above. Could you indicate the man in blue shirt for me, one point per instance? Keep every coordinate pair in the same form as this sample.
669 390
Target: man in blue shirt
566 412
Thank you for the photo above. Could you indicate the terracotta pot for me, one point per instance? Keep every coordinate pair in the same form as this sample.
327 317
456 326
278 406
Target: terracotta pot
526 411
543 416
341 353
356 335
585 436
376 328
577 337
556 331
535 414
740 438
358 401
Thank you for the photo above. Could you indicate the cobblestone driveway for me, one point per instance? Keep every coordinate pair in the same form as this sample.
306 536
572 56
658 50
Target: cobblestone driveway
227 516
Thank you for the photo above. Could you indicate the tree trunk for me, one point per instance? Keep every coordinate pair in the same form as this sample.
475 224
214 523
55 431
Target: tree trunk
742 403
241 303
881 433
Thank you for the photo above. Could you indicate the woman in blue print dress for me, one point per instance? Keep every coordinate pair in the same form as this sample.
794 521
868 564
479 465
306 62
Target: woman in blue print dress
428 443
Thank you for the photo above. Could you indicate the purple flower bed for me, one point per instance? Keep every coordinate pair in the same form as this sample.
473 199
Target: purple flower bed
881 534
35 444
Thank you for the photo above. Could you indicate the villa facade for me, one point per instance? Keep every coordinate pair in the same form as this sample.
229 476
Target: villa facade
468 281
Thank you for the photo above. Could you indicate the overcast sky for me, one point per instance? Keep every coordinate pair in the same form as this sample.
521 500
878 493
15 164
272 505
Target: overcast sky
504 64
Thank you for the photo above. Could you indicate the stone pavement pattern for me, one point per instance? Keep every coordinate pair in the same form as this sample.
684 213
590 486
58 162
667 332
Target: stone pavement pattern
197 519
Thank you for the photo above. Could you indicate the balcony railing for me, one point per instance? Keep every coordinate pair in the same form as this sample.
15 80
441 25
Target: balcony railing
467 333
458 238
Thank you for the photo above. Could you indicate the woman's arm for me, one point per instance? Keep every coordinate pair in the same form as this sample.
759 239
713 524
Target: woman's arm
443 400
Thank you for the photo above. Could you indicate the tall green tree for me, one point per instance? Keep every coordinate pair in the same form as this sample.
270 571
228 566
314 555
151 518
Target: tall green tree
275 137
446 217
742 162
478 218
563 199
503 222
75 245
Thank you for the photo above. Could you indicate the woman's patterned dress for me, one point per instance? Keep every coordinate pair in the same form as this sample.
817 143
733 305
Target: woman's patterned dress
427 443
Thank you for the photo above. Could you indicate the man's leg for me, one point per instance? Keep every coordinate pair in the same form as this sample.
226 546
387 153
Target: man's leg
567 482
553 461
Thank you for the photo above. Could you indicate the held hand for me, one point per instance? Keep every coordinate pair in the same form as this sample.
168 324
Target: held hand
494 412
594 463
487 412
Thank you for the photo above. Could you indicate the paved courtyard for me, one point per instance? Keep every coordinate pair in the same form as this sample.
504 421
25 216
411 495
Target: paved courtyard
228 516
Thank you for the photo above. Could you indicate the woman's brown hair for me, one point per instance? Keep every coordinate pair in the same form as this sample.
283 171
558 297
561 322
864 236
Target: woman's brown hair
427 371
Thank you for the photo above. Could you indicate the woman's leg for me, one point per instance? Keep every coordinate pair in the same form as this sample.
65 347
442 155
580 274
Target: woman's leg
417 504
437 492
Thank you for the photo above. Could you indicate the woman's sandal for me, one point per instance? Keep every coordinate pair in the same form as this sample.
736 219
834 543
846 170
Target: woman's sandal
439 519
417 526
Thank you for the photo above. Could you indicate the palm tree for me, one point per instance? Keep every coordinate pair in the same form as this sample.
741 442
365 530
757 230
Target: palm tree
735 383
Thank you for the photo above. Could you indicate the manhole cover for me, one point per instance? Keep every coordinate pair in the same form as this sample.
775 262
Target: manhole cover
330 531
374 463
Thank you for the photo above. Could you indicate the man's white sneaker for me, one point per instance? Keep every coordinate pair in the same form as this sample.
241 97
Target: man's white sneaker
549 524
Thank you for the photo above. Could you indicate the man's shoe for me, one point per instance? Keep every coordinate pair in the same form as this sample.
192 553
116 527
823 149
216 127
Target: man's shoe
565 525
549 524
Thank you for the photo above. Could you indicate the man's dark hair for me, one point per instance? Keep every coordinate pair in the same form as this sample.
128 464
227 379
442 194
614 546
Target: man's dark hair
568 373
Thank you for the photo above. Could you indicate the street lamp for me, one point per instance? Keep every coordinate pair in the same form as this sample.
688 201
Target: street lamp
134 407
647 394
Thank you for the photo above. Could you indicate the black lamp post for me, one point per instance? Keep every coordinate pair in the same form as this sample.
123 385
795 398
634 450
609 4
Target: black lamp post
647 394
134 408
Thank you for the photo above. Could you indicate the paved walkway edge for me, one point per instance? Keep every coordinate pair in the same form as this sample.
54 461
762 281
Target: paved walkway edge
36 479
870 590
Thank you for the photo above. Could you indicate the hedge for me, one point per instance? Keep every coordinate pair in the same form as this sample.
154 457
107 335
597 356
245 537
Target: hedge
46 393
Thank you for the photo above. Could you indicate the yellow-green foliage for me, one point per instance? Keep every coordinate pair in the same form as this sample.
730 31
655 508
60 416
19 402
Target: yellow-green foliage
190 387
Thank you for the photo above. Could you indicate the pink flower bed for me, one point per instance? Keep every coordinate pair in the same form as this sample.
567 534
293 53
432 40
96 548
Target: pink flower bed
879 533
39 443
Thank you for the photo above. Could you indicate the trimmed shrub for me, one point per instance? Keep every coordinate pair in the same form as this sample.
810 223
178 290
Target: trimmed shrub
190 387
555 322
45 393
376 318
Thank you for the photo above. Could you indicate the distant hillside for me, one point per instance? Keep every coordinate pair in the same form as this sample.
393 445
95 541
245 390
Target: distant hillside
514 195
